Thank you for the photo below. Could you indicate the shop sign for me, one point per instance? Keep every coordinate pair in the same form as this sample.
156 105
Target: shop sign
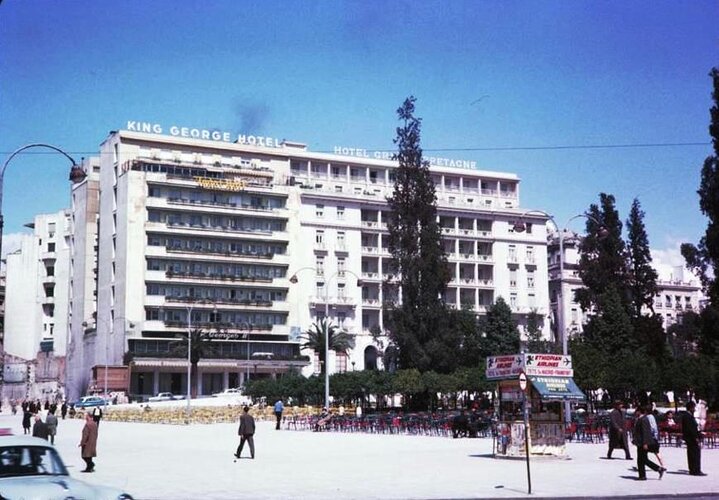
224 335
504 366
221 184
550 365
16 372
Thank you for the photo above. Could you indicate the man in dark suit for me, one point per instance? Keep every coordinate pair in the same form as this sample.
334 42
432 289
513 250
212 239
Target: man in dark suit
644 441
691 435
617 433
246 432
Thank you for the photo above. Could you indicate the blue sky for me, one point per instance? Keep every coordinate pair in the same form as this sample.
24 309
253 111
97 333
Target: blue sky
333 73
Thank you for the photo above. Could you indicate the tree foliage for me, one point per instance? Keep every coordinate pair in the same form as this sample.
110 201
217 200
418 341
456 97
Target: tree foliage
704 258
201 346
500 332
417 326
642 276
314 340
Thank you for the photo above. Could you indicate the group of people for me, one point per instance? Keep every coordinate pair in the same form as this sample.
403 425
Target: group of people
645 436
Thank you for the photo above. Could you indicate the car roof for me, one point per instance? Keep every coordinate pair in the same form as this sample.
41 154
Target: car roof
23 441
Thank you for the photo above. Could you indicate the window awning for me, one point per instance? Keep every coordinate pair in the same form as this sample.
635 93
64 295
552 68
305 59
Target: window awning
557 388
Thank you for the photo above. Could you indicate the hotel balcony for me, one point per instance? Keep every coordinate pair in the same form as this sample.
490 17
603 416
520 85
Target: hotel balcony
211 278
205 255
225 303
215 231
333 301
211 207
371 276
372 303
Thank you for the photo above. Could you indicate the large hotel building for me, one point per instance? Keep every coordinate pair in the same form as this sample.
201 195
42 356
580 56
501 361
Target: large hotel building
172 232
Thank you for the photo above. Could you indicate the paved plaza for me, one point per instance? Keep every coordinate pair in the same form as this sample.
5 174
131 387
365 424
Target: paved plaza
154 461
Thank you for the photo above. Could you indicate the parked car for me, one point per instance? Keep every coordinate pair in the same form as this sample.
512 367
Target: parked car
236 396
164 396
89 402
32 468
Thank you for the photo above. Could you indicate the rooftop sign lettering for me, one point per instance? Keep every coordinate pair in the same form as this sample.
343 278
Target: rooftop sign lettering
204 134
386 155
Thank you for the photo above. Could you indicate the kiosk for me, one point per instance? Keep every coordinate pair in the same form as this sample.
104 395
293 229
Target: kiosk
550 384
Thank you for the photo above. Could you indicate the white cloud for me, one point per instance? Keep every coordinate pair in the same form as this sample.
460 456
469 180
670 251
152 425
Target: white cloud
666 260
10 243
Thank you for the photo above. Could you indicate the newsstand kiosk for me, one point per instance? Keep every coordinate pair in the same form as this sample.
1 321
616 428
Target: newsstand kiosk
550 384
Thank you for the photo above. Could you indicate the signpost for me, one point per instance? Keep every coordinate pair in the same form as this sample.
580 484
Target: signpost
523 387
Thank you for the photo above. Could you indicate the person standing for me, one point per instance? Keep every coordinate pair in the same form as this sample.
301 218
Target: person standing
51 423
39 429
246 432
97 415
691 435
643 440
88 443
617 433
26 416
63 409
279 407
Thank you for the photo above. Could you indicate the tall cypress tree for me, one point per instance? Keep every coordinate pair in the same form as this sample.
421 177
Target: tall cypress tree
642 276
415 245
704 258
603 262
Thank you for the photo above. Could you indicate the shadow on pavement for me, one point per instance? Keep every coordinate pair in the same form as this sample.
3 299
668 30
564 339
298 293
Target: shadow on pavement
483 455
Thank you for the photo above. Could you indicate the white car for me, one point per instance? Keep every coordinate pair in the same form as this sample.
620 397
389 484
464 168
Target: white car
164 396
235 394
31 468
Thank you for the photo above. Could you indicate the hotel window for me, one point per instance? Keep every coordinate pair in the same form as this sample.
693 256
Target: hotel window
320 266
338 188
341 317
528 228
512 278
320 237
513 300
575 315
319 211
317 367
341 362
340 266
320 289
341 290
531 301
340 212
340 240
512 253
530 279
530 255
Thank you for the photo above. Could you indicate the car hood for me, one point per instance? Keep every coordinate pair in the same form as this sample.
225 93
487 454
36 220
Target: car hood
54 488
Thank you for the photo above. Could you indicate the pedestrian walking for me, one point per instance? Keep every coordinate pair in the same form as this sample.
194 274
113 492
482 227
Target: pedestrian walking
97 415
26 417
51 423
652 419
279 407
63 409
246 432
644 441
691 435
39 429
88 443
617 431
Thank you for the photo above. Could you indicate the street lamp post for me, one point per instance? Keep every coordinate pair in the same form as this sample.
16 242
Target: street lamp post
189 361
77 174
247 367
294 280
520 227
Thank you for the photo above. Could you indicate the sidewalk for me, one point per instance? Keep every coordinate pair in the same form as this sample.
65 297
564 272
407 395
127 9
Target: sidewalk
177 462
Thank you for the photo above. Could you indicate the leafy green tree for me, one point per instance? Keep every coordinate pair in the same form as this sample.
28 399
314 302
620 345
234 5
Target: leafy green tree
501 335
201 346
642 276
535 341
610 328
415 244
603 260
314 340
683 336
704 258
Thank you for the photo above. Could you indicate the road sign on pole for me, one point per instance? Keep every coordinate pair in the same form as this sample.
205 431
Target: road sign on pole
523 381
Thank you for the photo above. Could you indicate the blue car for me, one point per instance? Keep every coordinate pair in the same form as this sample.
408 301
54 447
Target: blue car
89 402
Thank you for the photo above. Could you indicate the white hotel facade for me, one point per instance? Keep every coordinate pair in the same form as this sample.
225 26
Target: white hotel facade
207 233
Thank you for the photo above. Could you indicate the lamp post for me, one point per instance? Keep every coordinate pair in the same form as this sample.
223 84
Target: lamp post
294 280
189 360
247 367
77 174
520 227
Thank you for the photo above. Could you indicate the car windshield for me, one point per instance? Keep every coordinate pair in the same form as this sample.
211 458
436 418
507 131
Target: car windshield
30 461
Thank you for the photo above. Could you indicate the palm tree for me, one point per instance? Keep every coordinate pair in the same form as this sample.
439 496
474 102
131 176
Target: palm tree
201 347
314 339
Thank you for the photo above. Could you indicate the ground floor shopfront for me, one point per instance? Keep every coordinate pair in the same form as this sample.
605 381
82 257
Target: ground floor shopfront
150 376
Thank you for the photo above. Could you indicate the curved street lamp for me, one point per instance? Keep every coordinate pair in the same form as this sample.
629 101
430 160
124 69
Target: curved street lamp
294 280
77 174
